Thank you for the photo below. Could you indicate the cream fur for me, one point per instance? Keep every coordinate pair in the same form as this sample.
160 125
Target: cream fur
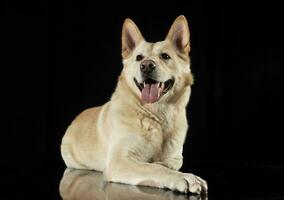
134 143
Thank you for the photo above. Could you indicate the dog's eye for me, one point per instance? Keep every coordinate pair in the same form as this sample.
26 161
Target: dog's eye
139 57
165 56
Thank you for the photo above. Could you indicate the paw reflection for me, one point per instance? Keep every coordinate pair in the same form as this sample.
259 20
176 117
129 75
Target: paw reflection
84 184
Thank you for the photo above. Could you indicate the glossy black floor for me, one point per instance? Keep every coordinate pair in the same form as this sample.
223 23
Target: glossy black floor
225 182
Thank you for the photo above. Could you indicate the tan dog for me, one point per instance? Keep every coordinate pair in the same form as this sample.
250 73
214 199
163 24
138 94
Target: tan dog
137 137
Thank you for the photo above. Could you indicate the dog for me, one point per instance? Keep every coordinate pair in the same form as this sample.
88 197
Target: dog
137 137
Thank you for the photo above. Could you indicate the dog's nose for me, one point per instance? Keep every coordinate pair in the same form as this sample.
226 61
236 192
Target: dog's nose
147 66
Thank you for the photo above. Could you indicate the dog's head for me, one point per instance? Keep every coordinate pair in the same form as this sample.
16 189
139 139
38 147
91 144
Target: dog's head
155 71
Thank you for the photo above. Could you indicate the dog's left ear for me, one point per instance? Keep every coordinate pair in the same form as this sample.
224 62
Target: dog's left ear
130 38
179 34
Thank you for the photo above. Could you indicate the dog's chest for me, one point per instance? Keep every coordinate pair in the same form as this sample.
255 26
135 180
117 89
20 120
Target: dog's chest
156 131
150 126
156 124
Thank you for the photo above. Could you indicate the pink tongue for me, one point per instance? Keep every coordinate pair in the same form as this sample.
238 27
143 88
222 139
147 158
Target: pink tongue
150 93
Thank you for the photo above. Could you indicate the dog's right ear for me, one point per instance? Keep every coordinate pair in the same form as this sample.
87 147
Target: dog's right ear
130 38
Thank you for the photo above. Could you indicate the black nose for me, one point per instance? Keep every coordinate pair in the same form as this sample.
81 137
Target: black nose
147 66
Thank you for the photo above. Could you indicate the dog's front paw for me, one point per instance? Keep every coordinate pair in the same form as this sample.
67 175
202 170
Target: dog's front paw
192 183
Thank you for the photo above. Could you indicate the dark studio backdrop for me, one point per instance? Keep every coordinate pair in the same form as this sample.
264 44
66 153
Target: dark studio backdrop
61 58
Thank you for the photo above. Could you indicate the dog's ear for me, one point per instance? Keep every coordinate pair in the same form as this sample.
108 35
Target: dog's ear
130 38
179 34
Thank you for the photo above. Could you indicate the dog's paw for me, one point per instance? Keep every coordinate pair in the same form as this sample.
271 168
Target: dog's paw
192 184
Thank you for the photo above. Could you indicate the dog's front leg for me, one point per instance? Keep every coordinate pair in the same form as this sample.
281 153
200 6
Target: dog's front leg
124 170
174 163
171 156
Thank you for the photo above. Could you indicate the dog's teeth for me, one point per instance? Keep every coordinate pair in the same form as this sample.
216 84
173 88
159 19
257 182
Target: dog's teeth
144 83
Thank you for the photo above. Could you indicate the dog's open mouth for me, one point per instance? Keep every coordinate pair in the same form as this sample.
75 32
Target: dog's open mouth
152 90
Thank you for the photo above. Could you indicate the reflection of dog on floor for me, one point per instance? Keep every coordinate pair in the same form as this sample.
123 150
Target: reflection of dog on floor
137 137
86 184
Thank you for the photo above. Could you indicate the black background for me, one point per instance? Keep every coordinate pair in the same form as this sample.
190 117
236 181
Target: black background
61 58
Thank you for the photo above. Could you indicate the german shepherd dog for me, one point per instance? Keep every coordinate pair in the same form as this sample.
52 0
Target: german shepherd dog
137 137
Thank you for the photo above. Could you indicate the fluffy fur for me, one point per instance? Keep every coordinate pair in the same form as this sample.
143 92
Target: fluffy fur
134 142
